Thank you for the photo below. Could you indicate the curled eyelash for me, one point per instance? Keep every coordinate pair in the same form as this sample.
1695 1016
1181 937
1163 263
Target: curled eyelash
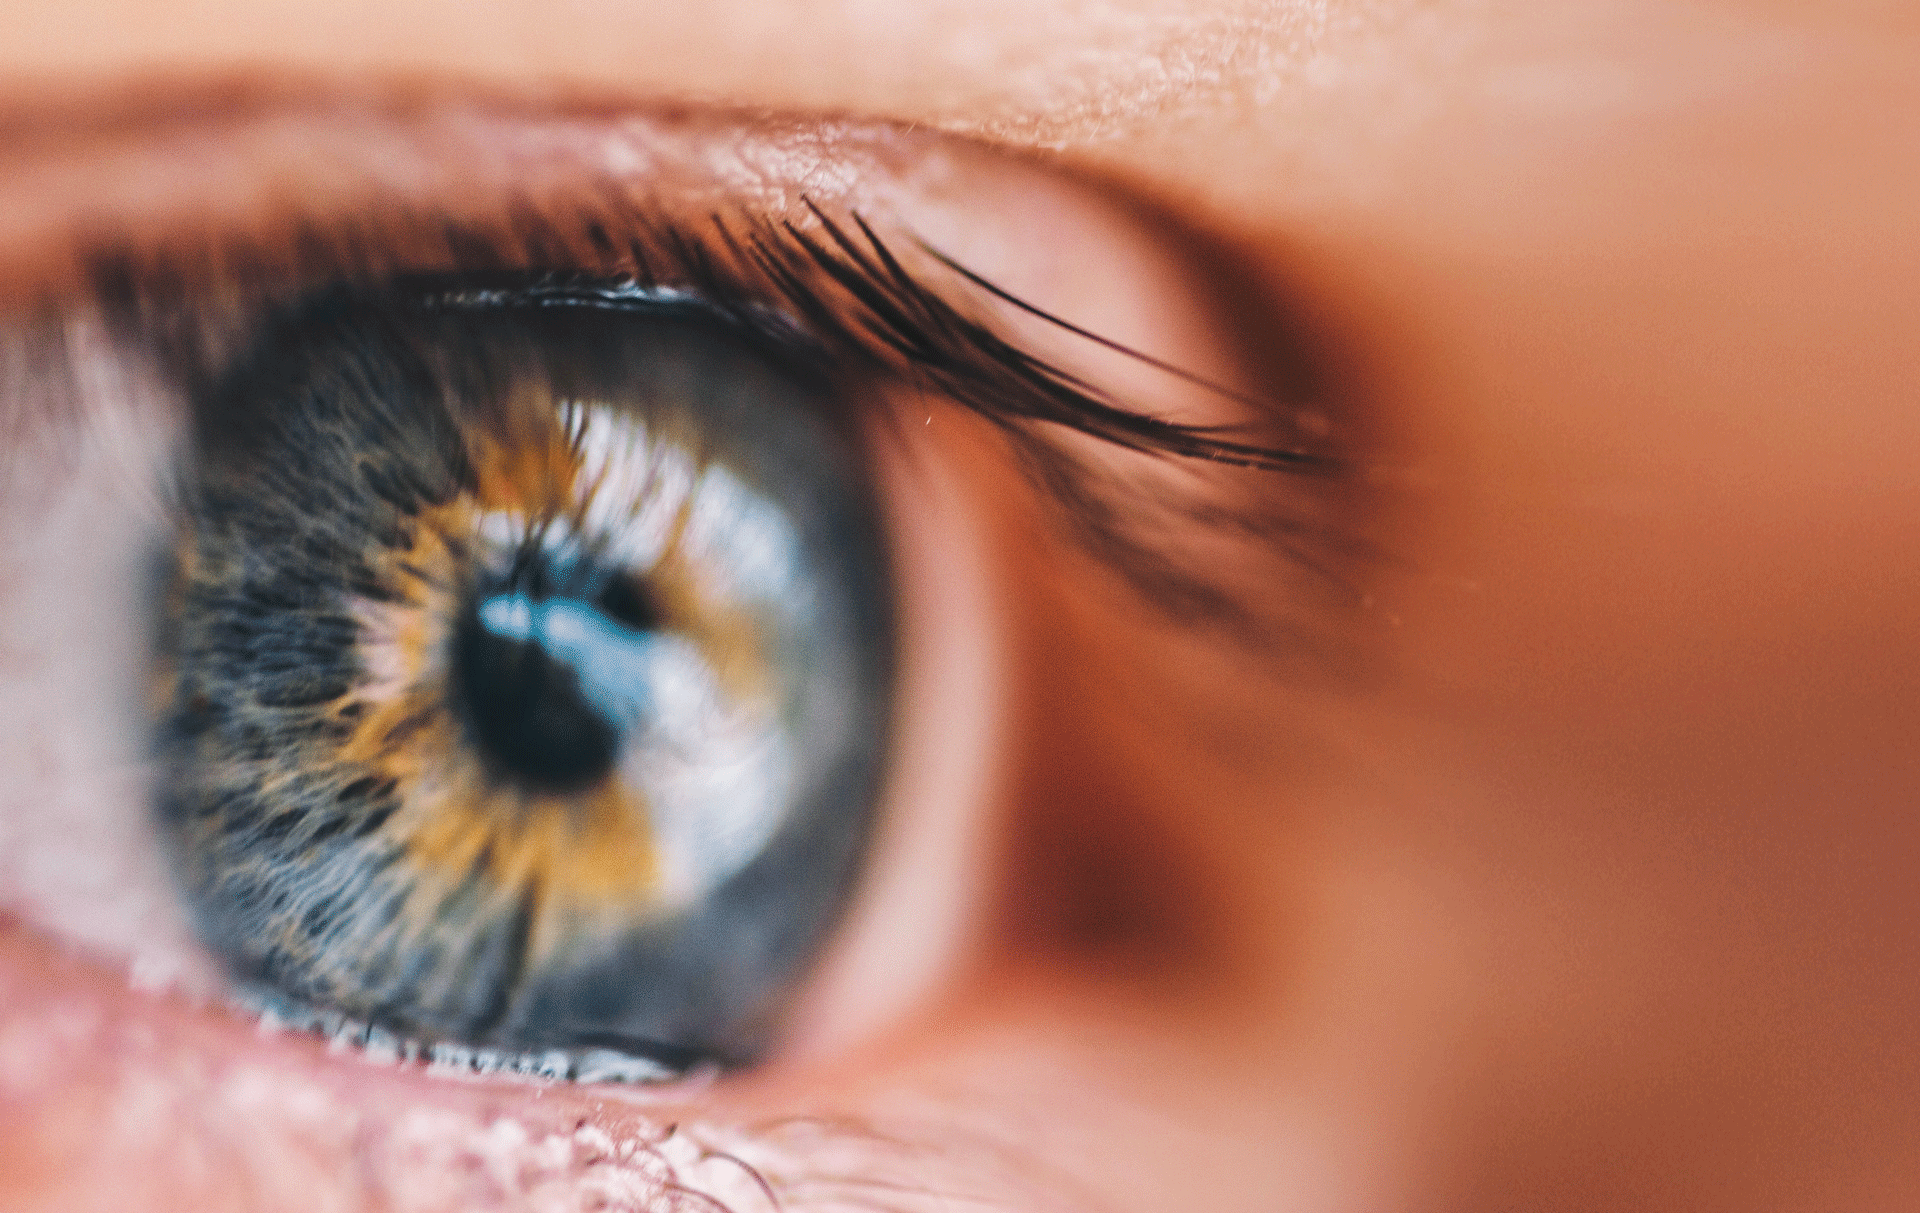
828 291
853 294
972 364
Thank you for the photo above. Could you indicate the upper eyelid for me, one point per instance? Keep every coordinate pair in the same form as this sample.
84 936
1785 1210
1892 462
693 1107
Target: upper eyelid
397 164
242 169
346 187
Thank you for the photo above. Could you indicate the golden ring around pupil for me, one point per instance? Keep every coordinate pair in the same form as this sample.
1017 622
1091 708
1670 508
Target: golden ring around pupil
478 693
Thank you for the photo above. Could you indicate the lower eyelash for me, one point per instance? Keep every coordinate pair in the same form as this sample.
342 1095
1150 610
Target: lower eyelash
650 1064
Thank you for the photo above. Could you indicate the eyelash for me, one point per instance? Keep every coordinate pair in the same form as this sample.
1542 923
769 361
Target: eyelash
838 295
832 298
830 295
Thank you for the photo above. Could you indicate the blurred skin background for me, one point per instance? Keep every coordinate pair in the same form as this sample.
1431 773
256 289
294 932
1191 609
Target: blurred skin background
1585 884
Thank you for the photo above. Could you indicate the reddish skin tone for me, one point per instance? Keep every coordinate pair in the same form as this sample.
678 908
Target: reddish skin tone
1600 897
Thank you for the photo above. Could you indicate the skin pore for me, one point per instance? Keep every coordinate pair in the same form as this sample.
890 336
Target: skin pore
1591 889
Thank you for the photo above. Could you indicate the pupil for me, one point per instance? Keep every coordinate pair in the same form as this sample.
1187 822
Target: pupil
625 601
526 704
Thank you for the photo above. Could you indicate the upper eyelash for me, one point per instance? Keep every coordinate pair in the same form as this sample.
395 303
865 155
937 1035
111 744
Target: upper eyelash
845 283
1028 387
834 294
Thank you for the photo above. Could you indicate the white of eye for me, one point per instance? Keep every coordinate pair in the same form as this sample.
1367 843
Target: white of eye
78 847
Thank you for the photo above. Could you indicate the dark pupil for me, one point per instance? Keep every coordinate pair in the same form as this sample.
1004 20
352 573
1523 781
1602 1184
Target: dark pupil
525 705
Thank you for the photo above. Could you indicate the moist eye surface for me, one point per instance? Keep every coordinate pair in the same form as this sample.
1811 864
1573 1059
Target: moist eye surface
524 665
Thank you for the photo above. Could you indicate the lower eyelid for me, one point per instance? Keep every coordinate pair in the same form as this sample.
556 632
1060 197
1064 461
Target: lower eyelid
146 1101
114 1099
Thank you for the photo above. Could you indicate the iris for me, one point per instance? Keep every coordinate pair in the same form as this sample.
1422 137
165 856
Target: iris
523 675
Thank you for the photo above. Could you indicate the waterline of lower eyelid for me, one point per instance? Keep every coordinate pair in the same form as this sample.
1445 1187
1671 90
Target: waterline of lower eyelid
275 1014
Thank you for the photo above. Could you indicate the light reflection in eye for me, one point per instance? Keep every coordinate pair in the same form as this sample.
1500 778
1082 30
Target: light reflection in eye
715 768
741 546
610 775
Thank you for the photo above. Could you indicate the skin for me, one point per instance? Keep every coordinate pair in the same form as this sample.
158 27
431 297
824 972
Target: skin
1594 892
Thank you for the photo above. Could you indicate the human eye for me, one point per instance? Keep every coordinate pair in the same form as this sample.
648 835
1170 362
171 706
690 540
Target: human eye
579 598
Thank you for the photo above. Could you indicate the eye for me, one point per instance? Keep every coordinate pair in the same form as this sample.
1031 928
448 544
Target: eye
525 674
521 627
